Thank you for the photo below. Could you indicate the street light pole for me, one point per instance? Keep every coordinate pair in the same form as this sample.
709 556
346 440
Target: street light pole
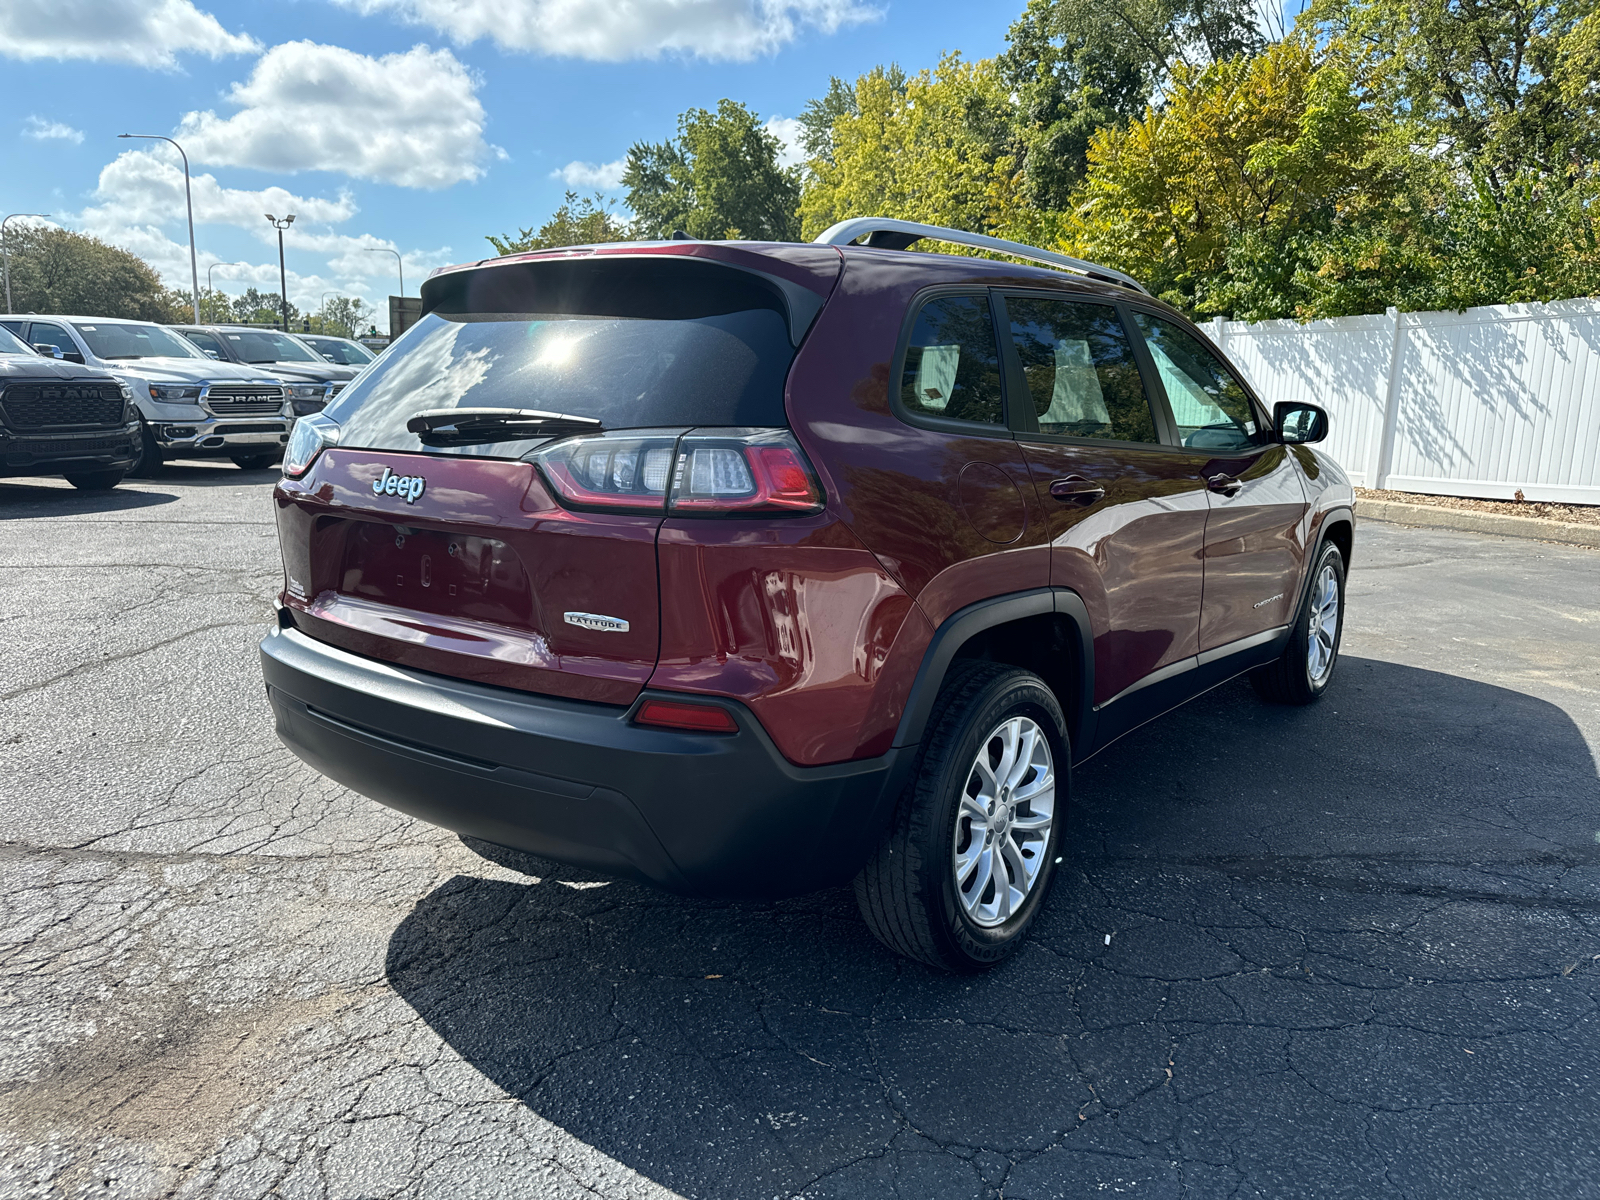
283 279
194 265
210 287
398 261
5 251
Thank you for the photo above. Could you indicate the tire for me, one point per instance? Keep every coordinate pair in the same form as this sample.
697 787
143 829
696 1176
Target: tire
1300 675
95 481
149 463
911 891
258 461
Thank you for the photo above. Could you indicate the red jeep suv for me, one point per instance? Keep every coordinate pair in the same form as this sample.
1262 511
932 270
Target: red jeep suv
751 568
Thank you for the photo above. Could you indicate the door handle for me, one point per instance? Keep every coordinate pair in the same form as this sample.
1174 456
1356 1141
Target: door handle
1226 484
1077 488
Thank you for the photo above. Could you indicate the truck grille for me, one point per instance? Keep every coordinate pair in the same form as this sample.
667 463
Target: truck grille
61 405
244 400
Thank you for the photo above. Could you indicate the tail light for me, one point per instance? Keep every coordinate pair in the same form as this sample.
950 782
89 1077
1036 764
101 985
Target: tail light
310 437
696 474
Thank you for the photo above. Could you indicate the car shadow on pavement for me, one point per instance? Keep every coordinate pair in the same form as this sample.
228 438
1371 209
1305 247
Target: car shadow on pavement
20 498
1287 953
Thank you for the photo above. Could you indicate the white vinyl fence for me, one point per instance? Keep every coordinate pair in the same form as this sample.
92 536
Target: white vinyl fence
1483 403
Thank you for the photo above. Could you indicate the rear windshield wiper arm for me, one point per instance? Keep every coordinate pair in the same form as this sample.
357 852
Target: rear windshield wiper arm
472 426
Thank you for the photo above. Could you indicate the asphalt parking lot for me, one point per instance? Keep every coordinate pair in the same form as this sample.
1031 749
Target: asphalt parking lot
1346 951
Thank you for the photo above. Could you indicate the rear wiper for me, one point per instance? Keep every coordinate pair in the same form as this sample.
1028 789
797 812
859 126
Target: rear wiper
474 426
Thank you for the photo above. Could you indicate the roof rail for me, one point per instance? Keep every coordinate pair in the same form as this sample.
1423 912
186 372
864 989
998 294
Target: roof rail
900 234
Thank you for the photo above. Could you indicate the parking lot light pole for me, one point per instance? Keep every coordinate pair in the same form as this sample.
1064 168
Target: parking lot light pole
194 266
211 289
283 279
398 262
5 251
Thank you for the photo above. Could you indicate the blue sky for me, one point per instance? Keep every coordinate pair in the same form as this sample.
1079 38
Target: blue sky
419 125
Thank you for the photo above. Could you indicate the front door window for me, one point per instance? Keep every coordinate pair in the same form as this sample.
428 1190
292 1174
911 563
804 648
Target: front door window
1209 405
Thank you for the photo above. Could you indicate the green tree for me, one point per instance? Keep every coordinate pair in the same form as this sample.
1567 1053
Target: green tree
1502 89
256 307
1243 190
819 116
935 147
578 222
341 316
58 271
1077 66
719 178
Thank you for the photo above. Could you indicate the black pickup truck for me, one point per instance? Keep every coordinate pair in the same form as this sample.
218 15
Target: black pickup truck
59 418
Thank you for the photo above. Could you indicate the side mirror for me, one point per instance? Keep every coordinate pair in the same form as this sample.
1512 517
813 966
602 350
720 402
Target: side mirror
49 351
1296 423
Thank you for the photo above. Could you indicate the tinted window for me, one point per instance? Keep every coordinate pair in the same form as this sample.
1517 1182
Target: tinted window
135 341
10 343
346 354
1210 406
206 342
713 351
258 346
952 363
1081 373
42 334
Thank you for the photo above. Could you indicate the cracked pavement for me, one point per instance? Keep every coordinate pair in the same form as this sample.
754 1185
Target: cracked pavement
1350 950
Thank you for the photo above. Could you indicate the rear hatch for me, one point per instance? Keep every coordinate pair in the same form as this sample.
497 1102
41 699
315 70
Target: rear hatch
483 500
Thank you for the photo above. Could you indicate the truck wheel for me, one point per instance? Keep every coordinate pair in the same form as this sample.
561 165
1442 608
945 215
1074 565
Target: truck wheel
970 852
258 461
149 463
95 481
1304 670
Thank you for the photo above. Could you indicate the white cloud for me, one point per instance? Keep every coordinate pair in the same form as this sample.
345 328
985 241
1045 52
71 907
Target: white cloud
149 33
606 176
139 205
412 119
787 131
41 130
609 31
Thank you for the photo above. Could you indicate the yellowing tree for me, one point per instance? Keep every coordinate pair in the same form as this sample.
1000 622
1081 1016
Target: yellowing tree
933 147
1267 153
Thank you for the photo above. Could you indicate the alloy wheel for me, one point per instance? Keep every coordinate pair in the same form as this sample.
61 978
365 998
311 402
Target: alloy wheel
1003 821
1322 636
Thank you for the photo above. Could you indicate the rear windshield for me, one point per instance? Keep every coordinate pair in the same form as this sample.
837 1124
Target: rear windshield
135 341
631 344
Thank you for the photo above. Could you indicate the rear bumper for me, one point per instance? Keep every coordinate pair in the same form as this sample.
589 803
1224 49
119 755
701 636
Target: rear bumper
700 814
53 454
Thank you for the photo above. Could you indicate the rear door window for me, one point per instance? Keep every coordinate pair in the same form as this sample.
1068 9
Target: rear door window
1080 369
632 344
952 363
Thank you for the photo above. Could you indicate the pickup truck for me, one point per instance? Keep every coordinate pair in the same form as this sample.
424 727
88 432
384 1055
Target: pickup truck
59 418
189 406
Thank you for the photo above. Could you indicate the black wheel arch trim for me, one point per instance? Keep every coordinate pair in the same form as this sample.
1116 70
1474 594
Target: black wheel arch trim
963 625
